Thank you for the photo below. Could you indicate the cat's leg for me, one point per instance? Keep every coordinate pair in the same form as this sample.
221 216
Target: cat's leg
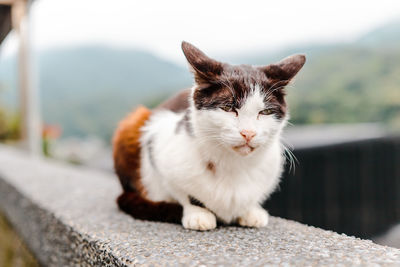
255 216
198 218
194 217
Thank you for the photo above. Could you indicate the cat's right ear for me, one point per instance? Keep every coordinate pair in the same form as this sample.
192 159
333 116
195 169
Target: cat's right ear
285 69
205 69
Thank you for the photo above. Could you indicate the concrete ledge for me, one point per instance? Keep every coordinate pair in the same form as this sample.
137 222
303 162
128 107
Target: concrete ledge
68 217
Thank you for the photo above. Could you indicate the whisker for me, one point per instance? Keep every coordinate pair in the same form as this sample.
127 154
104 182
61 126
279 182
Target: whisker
291 158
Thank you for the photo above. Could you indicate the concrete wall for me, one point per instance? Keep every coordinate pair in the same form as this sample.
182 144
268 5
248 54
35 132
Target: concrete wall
68 217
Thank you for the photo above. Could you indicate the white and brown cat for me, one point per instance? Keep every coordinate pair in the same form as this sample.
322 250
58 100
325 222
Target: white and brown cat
210 153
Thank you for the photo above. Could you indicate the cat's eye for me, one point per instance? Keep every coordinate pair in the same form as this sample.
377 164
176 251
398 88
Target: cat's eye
228 108
267 111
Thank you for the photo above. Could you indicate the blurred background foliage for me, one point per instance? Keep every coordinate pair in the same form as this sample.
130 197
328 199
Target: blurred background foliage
9 124
87 90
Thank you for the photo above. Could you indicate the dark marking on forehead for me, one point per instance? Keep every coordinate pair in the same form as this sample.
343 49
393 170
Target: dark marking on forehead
276 101
231 88
213 96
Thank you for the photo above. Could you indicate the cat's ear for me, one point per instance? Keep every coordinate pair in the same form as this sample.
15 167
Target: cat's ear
285 69
205 69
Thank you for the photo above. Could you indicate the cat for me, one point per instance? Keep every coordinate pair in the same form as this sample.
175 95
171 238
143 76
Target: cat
211 153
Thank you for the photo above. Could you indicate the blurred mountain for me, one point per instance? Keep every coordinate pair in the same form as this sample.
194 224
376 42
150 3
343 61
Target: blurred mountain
385 35
87 90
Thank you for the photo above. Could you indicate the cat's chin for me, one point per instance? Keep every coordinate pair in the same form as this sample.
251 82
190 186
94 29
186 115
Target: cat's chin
244 150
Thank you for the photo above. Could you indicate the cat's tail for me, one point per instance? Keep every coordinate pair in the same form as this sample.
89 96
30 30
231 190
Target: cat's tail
126 153
144 209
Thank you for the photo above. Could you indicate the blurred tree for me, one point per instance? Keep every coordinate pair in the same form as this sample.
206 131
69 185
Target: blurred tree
9 124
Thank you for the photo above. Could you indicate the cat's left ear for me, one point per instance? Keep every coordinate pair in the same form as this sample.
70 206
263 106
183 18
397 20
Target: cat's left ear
205 69
285 69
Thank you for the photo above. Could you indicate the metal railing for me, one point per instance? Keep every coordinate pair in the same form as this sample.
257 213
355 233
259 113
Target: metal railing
351 188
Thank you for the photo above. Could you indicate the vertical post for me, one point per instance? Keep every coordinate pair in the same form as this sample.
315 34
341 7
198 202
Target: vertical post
29 102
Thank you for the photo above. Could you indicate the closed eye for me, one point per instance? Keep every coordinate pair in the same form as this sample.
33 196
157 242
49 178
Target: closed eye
267 111
228 108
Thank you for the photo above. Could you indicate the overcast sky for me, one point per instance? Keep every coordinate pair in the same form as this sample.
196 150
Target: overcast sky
223 26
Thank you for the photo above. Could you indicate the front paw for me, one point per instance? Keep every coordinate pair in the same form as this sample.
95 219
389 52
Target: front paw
197 218
255 217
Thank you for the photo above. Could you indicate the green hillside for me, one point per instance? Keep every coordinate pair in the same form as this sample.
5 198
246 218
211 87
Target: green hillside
352 84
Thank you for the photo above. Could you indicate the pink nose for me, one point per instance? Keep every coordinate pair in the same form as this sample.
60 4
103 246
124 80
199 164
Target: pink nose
248 135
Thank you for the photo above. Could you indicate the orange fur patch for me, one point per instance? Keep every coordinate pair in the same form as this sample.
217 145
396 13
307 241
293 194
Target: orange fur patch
126 149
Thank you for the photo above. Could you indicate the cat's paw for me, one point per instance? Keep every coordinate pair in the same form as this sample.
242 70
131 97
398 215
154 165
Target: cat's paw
255 217
197 218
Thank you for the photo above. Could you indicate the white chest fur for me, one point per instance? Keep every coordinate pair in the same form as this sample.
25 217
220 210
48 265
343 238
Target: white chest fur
232 186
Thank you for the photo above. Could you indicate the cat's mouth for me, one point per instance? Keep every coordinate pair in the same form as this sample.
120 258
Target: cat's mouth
244 149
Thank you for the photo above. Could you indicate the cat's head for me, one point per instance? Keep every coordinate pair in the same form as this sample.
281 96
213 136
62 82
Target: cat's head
241 107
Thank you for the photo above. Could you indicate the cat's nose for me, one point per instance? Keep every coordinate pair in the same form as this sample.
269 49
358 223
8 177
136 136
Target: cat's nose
248 134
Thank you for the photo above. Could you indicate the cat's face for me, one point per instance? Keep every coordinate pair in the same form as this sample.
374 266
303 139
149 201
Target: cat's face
242 107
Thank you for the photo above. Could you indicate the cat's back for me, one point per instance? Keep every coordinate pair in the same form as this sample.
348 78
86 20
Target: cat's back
176 103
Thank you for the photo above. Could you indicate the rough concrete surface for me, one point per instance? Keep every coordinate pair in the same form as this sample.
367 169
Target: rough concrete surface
68 217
